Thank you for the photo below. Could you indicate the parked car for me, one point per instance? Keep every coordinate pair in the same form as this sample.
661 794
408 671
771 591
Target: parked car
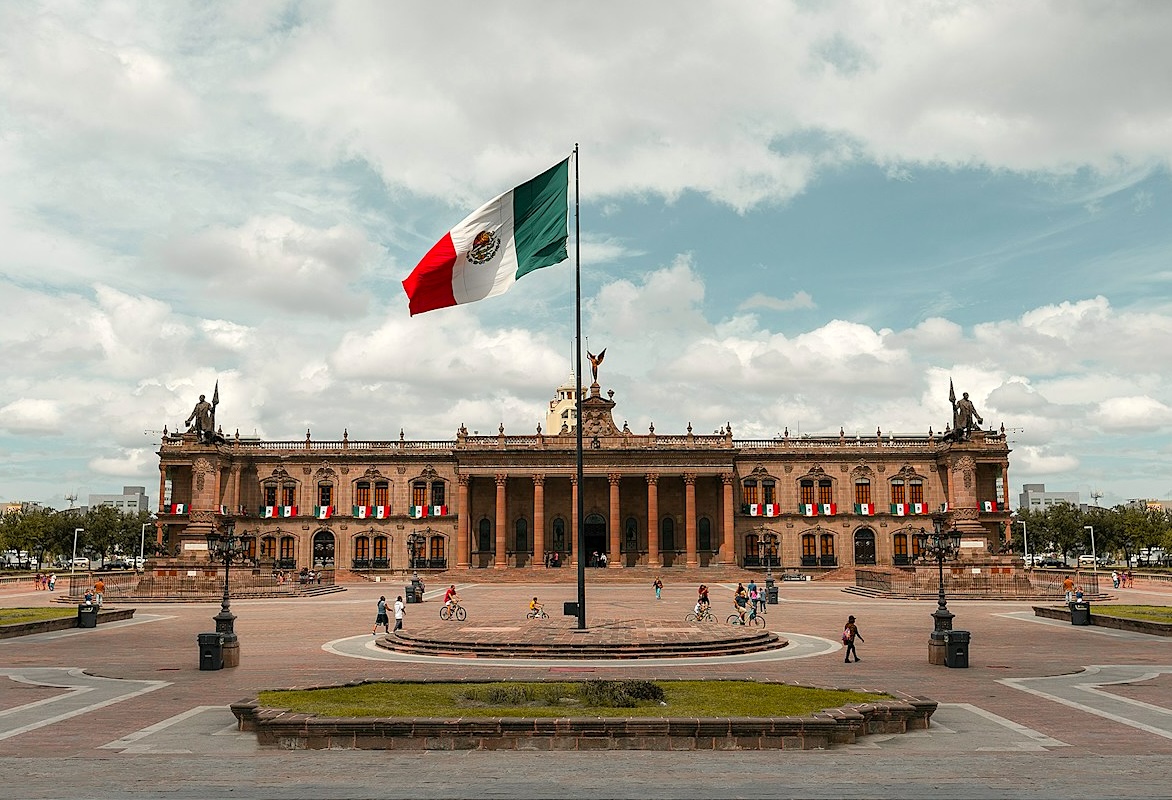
1050 562
1086 560
113 565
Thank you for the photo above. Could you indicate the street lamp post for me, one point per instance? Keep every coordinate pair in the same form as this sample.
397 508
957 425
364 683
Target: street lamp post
73 559
1094 555
1025 537
227 547
142 542
940 545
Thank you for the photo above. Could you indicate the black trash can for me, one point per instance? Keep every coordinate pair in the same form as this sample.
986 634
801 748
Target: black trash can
770 592
956 649
1080 612
87 615
409 594
211 651
569 609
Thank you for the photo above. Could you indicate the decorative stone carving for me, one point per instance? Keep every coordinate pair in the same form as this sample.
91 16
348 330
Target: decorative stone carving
201 517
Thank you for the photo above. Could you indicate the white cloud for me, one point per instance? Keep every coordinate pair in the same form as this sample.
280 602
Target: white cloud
1033 461
799 300
32 416
1132 415
128 463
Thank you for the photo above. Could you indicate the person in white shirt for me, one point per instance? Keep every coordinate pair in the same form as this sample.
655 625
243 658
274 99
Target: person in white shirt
399 608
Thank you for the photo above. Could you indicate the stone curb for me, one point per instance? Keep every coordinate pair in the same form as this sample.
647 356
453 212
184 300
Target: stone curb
289 730
61 624
1103 621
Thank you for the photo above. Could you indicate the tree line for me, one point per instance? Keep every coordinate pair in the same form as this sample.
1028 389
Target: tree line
46 534
1122 531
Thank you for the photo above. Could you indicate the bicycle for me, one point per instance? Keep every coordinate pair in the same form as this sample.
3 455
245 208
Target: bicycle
753 619
453 611
703 616
537 614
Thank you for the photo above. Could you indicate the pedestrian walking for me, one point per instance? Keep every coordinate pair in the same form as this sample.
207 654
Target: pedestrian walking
850 633
99 590
53 581
399 608
658 588
382 618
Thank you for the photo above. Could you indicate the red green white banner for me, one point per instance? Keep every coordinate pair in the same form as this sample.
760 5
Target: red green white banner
270 512
808 509
323 512
764 510
827 509
991 505
177 508
362 512
505 239
417 512
437 511
865 509
900 509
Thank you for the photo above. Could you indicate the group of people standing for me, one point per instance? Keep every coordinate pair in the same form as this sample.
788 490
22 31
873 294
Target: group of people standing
43 582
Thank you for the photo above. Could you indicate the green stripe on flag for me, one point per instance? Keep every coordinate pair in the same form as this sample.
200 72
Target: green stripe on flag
541 219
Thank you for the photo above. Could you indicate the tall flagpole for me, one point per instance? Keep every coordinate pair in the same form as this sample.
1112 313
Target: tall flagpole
578 400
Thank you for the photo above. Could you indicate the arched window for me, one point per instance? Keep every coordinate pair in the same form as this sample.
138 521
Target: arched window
484 543
749 491
825 491
806 492
631 535
916 490
898 495
862 491
704 534
667 534
521 536
559 534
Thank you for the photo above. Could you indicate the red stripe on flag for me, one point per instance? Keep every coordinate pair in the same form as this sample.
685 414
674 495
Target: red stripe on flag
429 286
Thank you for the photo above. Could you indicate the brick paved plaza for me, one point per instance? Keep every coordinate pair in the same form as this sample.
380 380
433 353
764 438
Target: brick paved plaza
1102 725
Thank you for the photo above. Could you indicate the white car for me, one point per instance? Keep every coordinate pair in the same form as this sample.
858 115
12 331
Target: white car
1086 561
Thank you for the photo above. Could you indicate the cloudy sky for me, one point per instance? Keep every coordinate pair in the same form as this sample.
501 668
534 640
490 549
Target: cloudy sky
804 215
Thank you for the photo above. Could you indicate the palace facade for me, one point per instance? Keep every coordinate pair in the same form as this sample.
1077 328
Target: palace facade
508 502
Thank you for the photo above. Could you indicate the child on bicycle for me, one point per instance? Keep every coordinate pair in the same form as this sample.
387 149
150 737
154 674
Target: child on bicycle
451 599
535 607
702 602
741 602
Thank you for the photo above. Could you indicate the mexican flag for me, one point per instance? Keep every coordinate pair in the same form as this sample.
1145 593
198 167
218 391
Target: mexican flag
808 509
417 512
900 509
945 507
362 512
990 505
268 512
323 512
505 239
224 511
865 509
919 508
827 509
287 511
382 512
178 508
438 511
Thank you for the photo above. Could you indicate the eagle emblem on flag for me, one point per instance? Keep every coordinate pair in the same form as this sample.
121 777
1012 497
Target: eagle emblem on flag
484 247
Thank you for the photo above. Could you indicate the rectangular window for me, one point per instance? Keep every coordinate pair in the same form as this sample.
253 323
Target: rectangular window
380 547
270 495
419 493
287 548
769 491
806 489
897 492
827 544
268 547
249 548
437 548
750 492
362 495
325 494
362 548
809 547
437 493
288 495
382 494
901 544
862 491
825 491
916 488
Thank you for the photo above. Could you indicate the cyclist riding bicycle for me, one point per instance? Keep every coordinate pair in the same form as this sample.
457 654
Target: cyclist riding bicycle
451 599
535 607
741 601
702 601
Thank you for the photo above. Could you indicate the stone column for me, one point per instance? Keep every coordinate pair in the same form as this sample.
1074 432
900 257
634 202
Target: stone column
653 559
728 548
614 559
574 520
501 560
162 487
539 521
463 524
235 507
690 518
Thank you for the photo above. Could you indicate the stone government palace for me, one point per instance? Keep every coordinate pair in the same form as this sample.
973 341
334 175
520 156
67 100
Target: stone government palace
508 502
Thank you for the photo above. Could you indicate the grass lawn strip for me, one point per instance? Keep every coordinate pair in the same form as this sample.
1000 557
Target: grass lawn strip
1147 613
553 699
15 616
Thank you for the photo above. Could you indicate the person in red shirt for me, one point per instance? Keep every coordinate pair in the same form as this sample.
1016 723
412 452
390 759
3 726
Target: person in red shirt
451 599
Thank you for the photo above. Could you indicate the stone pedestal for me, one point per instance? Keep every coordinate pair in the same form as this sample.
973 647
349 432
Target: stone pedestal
936 650
231 654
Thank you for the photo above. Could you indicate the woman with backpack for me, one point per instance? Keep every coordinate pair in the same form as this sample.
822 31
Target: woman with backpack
849 634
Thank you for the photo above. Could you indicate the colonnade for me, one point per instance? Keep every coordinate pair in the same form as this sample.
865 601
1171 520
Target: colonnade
723 516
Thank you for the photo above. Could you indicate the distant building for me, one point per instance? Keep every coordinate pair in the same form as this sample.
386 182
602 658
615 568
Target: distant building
19 507
1035 497
1151 505
132 500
